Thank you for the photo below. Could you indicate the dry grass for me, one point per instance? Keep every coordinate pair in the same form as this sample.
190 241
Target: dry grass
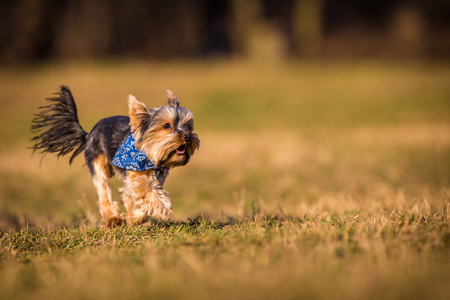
312 181
375 254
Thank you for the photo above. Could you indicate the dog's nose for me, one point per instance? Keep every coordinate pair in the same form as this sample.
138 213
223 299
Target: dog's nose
187 137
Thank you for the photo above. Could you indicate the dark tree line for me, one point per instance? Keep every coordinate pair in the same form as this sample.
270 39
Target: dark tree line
39 29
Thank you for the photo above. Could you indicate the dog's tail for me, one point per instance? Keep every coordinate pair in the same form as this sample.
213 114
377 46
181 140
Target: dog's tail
57 127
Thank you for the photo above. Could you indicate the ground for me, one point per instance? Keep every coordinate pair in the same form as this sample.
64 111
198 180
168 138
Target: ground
313 180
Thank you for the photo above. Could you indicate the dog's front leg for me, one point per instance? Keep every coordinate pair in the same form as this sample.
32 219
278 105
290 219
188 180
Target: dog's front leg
143 197
159 204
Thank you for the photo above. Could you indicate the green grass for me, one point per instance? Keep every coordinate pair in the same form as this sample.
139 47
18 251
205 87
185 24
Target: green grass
383 254
313 180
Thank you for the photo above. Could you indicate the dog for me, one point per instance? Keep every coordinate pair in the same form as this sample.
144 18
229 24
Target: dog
139 149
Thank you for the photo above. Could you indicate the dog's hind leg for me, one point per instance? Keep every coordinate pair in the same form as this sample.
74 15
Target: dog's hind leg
108 208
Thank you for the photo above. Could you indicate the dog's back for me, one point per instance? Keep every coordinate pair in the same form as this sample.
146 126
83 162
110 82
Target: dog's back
105 138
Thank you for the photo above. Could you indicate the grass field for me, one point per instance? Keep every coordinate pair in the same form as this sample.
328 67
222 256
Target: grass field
313 181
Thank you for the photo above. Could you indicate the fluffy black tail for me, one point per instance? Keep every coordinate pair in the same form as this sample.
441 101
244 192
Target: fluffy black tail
57 127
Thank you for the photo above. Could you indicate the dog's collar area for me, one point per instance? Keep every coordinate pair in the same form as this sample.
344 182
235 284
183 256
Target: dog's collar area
160 171
130 158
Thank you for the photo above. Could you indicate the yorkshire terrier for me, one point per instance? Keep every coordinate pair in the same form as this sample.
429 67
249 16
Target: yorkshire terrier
140 149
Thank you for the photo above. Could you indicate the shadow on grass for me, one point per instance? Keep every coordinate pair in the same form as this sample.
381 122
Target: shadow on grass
13 223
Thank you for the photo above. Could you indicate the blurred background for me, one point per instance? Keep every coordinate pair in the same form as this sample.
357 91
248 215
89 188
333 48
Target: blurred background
301 106
335 113
33 30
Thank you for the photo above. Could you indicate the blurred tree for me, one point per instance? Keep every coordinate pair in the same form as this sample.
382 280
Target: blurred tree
84 29
307 27
245 17
39 29
23 23
408 30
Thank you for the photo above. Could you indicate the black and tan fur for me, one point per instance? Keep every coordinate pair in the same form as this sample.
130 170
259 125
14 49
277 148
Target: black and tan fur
165 134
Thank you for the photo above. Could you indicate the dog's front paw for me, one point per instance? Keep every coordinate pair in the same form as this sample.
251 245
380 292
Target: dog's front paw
162 206
166 213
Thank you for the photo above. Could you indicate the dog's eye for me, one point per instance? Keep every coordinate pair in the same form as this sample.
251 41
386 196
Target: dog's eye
167 126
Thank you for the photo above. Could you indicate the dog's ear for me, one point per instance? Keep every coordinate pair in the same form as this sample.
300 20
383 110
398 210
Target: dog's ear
139 113
172 100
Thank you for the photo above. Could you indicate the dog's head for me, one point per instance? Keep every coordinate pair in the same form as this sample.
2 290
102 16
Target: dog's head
164 134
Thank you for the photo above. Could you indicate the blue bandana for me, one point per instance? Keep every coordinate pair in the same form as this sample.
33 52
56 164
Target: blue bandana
130 158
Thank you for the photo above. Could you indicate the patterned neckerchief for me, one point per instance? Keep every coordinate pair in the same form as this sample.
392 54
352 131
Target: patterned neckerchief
130 158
